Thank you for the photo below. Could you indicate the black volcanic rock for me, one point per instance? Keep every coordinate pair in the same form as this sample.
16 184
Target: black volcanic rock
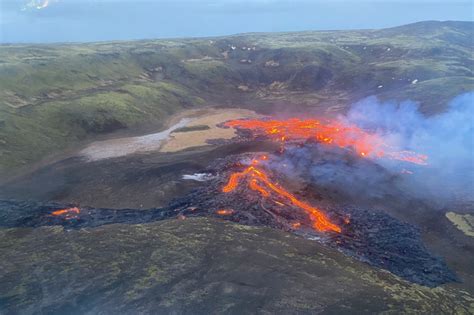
197 266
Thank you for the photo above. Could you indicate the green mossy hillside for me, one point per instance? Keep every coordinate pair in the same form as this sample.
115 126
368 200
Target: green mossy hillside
53 96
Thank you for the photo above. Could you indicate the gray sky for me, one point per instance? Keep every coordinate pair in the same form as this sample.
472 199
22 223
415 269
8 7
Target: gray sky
96 20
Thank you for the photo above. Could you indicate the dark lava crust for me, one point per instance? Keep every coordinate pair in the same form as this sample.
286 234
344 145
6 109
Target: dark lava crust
370 236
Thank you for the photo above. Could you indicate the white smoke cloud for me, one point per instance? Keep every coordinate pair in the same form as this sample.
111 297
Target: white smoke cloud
447 139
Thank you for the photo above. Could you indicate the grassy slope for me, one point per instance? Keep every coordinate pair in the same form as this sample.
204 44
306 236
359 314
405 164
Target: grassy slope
52 96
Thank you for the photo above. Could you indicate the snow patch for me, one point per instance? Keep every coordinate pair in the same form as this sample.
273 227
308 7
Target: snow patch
200 177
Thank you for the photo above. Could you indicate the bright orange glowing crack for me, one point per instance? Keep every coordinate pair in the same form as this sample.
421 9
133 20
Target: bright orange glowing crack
260 182
253 184
331 133
74 210
225 211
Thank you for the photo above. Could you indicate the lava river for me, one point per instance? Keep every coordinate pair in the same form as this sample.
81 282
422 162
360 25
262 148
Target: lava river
258 181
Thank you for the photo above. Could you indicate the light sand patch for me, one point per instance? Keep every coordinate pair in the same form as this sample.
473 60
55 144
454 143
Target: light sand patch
182 140
124 146
167 141
464 222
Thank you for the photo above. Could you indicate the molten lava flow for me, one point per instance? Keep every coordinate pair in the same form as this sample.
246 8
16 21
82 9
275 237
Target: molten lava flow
260 182
331 133
74 210
233 182
225 212
296 225
253 184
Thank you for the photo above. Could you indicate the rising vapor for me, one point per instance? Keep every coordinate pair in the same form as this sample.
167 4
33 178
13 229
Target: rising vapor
447 139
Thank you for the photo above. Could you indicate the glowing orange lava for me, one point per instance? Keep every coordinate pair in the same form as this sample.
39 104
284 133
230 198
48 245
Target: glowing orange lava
253 184
296 225
331 133
225 212
259 181
74 210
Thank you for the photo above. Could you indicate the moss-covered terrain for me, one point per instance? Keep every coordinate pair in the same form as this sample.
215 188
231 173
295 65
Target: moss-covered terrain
464 222
54 96
199 266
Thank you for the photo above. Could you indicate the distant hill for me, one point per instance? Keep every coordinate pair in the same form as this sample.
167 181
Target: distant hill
52 96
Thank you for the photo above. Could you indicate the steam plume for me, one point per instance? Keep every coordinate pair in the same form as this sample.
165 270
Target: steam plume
447 139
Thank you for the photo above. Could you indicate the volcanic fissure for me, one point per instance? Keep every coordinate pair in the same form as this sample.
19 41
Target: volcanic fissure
244 189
